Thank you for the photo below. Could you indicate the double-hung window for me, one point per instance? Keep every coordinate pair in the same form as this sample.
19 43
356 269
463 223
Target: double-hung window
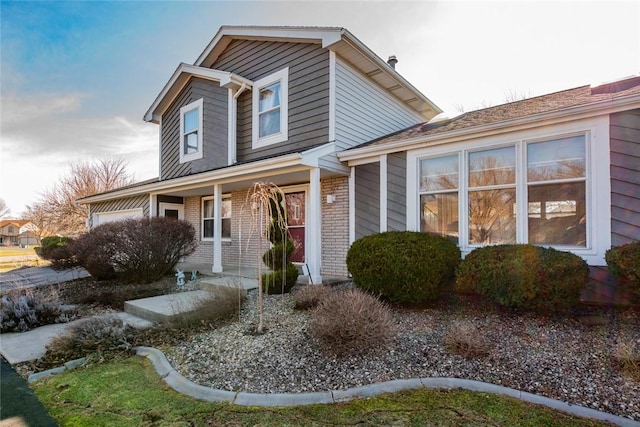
208 217
191 131
270 109
496 195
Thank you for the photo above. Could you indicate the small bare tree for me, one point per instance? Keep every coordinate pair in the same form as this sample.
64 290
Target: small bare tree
57 210
266 218
4 209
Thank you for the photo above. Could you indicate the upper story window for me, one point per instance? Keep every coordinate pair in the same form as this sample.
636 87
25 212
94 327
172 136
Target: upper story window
191 131
270 109
496 196
208 218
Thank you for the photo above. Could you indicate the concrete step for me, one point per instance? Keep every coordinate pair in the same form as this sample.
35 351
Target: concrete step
165 308
213 283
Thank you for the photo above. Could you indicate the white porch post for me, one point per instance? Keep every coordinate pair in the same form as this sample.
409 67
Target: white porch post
217 229
314 225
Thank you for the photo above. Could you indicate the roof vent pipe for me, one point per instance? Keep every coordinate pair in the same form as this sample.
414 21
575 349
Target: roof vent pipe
392 61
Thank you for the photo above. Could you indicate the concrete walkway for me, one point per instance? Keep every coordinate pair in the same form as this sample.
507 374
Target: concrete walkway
38 276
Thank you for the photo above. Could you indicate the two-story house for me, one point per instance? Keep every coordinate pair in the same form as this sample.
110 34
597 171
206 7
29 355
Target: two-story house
358 150
269 104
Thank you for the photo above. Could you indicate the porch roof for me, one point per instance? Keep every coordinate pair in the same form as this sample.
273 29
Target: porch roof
285 169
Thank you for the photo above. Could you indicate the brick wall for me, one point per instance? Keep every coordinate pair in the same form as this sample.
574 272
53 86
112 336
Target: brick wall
335 227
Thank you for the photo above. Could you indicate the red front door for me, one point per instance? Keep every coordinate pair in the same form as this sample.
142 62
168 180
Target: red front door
296 223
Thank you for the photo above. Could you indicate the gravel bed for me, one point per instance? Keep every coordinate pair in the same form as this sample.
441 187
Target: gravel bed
561 358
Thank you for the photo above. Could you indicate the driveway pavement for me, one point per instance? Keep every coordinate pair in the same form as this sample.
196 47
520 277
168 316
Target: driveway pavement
38 276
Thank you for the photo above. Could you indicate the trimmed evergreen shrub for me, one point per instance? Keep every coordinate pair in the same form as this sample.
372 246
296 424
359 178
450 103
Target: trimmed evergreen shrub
275 283
276 257
135 250
524 276
352 322
624 262
403 266
56 250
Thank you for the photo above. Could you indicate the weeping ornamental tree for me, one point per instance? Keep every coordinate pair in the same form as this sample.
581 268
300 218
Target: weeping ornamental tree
268 218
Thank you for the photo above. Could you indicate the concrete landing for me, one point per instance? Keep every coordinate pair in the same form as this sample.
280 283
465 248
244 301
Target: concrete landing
211 283
164 308
17 347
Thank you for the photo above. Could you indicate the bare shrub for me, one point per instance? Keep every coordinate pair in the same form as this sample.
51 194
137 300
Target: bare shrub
308 297
352 322
627 356
465 339
25 309
98 335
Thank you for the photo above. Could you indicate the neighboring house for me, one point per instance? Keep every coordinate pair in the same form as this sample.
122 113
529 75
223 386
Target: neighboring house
267 104
17 232
355 149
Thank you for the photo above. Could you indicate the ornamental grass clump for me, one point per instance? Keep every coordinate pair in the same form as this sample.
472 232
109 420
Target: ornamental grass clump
467 340
403 267
308 297
352 322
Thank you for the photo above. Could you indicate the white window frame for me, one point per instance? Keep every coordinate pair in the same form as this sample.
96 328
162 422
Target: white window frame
281 76
198 104
597 181
213 218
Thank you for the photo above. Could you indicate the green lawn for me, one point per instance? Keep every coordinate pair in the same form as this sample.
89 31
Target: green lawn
15 251
128 392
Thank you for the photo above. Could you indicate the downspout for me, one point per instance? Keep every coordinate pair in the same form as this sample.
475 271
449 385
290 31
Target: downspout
233 143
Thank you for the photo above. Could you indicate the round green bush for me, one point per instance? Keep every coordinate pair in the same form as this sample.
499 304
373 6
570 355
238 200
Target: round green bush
624 262
403 267
524 276
276 258
274 283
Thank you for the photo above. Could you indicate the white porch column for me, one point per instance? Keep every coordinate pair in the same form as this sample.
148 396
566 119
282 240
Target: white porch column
217 229
314 226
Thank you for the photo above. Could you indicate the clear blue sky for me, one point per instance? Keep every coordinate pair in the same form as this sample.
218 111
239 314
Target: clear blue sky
77 77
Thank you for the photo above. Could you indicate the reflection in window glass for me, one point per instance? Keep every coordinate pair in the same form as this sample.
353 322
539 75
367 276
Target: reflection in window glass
492 218
558 159
208 218
492 167
440 173
439 196
557 214
269 110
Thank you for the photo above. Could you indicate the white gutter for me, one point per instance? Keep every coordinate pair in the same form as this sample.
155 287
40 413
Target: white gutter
537 120
232 117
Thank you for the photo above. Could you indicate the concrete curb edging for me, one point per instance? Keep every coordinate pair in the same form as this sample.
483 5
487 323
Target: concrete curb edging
73 364
185 386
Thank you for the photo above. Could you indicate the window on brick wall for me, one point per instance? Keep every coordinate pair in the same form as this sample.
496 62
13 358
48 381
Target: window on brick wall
208 217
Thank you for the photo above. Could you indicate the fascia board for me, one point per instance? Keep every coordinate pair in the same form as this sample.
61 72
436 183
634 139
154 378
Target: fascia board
538 120
234 172
323 35
312 157
179 79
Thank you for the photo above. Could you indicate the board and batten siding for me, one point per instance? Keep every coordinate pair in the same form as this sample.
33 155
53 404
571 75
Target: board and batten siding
364 111
214 131
367 203
624 130
308 100
397 192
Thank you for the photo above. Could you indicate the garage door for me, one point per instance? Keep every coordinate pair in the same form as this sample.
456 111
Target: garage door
104 217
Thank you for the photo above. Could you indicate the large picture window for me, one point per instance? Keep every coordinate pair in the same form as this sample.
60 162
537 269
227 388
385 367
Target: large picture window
476 199
270 109
191 131
208 217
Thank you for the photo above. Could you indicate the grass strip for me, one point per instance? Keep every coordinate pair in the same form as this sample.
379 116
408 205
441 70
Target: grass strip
128 392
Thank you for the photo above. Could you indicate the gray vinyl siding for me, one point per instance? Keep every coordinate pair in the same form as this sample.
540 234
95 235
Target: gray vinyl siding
308 100
367 207
214 131
127 203
364 111
397 192
624 132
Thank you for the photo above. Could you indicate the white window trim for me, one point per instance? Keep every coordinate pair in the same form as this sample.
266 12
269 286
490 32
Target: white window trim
598 188
202 218
198 154
283 135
